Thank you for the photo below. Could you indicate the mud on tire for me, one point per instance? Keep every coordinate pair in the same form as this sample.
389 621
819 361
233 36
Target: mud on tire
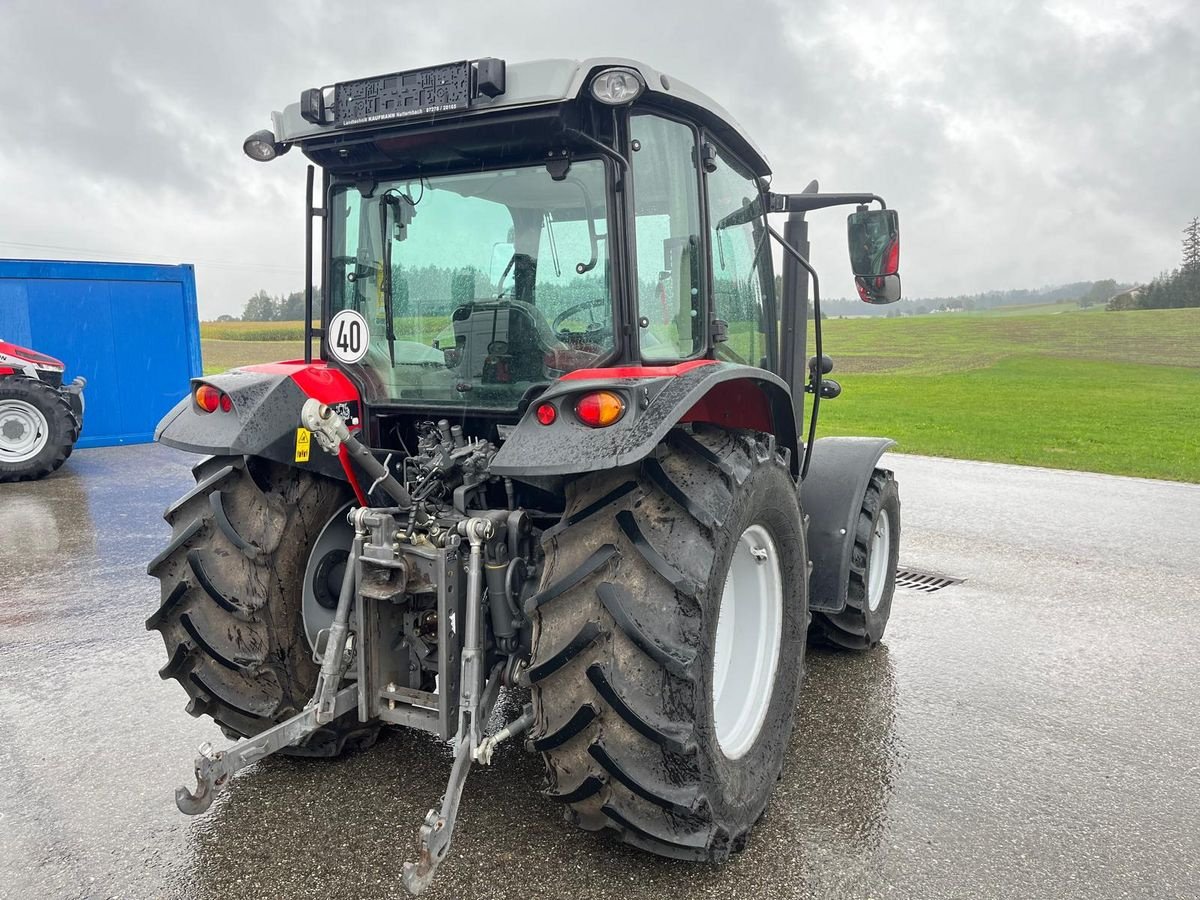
624 629
231 578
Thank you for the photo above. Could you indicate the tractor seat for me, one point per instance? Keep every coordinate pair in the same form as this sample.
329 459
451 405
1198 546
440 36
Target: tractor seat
502 341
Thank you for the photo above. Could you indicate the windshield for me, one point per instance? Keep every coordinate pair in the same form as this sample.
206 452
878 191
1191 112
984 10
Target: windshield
492 282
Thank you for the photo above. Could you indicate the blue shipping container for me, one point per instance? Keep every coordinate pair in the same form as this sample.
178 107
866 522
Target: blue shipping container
130 329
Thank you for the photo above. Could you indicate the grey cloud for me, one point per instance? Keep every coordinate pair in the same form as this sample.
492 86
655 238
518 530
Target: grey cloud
1024 143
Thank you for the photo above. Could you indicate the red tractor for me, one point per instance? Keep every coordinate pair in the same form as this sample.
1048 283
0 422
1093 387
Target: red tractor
553 445
40 417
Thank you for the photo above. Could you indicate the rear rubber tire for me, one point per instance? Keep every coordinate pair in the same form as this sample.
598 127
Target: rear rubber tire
231 581
858 626
624 640
61 425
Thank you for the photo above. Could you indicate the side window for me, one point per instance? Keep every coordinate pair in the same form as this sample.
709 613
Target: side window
743 279
667 212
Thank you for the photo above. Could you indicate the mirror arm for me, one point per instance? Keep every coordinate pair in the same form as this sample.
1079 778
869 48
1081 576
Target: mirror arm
621 161
816 281
809 202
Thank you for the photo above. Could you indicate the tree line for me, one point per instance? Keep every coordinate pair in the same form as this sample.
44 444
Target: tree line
442 290
424 291
1084 293
1171 290
262 307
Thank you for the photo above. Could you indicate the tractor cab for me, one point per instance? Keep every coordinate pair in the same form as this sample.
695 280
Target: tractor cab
492 228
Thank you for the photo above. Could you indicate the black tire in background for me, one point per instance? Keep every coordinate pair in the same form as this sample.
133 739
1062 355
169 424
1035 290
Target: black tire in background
62 427
624 642
859 626
232 581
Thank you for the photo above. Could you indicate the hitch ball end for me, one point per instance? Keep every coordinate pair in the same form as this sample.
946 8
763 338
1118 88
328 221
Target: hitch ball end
313 414
327 425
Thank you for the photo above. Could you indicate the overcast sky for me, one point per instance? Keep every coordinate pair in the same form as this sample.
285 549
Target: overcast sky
1025 144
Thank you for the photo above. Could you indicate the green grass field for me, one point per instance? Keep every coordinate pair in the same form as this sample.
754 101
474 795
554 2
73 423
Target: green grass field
1115 392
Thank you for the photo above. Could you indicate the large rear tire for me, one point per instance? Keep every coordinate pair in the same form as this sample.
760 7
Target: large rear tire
37 429
636 673
861 624
232 582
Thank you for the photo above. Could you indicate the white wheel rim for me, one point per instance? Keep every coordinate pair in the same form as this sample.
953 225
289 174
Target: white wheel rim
881 552
23 431
749 629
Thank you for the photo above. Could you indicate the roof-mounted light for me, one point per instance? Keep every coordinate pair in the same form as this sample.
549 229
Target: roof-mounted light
616 87
262 146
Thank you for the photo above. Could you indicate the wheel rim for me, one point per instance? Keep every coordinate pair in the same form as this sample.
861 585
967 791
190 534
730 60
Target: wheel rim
23 431
323 574
749 629
881 552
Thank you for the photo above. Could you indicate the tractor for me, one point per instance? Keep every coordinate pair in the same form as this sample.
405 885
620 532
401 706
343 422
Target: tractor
40 417
552 443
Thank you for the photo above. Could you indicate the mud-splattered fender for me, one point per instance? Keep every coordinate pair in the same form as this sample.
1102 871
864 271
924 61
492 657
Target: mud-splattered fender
656 399
832 496
265 418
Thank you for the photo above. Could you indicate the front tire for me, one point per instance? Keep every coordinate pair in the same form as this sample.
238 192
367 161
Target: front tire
232 582
635 704
873 559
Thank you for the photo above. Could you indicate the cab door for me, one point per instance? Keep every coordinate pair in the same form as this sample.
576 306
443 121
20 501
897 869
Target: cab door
742 273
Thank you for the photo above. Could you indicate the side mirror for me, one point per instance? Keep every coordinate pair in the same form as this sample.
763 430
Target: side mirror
874 236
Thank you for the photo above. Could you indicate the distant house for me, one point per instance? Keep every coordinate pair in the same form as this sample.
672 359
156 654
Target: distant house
1126 299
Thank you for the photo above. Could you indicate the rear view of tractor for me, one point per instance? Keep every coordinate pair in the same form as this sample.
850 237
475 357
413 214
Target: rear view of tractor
40 417
556 443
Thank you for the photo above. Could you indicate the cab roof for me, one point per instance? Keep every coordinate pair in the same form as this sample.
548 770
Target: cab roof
550 81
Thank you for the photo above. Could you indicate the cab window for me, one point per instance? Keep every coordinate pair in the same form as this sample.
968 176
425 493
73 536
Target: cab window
669 248
742 275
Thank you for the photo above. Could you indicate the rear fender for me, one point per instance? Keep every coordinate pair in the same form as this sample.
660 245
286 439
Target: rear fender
657 398
265 419
832 495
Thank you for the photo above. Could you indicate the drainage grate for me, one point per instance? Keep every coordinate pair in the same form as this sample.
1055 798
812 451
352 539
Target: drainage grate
926 582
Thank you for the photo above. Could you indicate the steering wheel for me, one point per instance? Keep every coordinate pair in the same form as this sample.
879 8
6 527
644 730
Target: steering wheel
580 307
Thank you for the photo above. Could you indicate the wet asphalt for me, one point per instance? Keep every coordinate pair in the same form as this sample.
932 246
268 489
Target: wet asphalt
1032 732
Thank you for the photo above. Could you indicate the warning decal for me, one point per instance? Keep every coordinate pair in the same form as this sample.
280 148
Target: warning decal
303 444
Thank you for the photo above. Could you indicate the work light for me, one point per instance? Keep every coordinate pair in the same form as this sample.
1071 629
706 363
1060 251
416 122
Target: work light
616 87
262 146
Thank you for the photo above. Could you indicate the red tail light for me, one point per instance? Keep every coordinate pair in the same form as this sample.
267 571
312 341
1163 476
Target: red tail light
546 413
599 408
891 258
208 399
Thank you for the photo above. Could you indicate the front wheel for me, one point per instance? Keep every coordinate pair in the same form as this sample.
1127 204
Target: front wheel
669 643
873 559
38 430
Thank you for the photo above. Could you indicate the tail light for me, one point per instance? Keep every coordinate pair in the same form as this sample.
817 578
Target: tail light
208 399
891 257
546 413
599 409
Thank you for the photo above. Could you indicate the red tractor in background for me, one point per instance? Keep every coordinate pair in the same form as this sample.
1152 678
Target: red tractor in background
40 417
